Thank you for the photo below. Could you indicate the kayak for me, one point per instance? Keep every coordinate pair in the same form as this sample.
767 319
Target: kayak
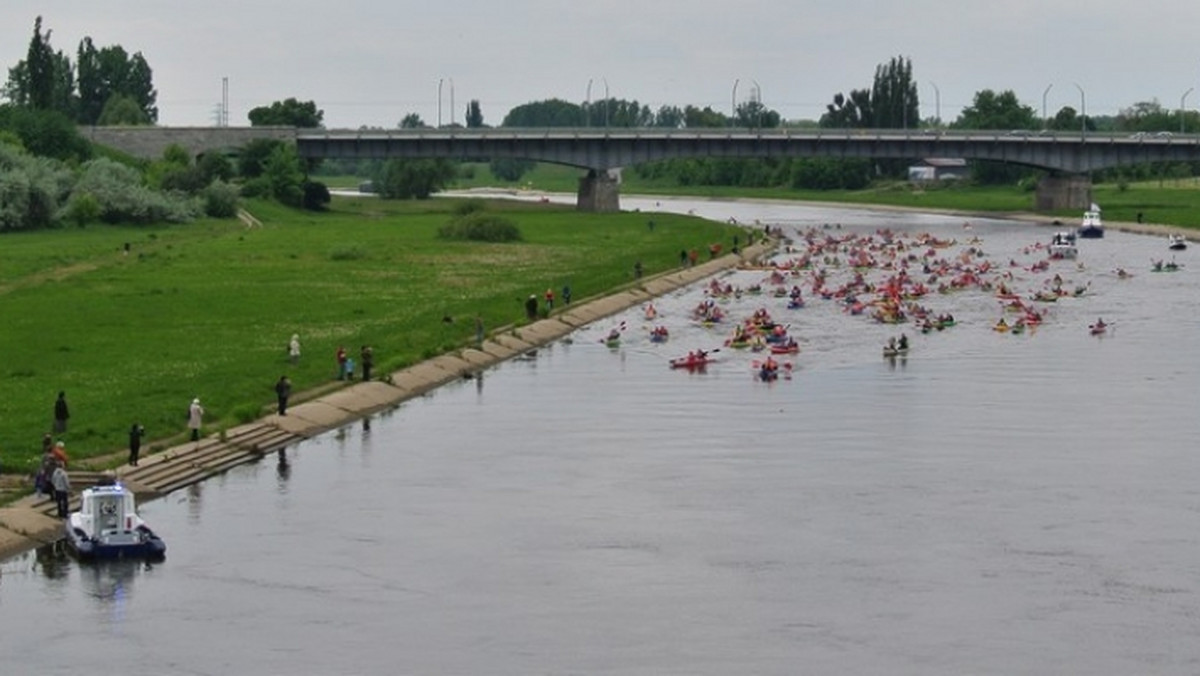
691 362
785 349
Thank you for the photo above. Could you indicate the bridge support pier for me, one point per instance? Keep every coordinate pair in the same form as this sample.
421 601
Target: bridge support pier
1064 192
598 191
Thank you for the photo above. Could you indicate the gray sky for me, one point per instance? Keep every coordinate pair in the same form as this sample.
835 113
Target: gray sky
372 62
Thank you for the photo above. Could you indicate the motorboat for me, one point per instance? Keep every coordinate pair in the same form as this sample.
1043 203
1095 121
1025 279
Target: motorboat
1176 242
1091 227
107 526
1062 246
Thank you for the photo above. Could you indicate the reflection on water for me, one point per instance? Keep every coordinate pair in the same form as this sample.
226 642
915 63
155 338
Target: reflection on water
593 511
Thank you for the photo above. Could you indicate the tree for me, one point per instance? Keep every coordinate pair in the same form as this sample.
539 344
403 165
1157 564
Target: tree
413 179
287 113
990 110
413 121
474 116
122 110
548 113
849 112
669 117
108 72
695 118
894 100
754 115
253 156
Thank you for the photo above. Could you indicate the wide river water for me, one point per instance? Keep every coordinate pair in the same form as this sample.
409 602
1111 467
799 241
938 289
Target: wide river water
993 504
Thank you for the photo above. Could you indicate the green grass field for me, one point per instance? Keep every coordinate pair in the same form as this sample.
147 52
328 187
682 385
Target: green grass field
206 310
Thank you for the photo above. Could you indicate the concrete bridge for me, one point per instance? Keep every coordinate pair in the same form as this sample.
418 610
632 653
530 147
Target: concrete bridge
1068 156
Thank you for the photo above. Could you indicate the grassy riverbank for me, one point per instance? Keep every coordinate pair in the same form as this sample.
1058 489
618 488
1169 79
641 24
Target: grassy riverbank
207 309
1171 202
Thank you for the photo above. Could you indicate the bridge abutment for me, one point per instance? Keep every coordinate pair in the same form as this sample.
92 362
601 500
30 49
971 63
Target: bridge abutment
598 191
1064 192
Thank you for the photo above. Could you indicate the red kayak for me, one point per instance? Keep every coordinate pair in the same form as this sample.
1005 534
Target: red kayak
691 362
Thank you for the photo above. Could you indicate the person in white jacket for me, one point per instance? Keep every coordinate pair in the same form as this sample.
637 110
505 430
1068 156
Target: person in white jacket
195 418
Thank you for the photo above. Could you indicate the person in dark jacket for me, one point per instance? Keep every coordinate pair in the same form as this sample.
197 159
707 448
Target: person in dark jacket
61 413
135 442
367 356
283 390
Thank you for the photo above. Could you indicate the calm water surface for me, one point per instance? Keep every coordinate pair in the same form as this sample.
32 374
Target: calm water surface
994 504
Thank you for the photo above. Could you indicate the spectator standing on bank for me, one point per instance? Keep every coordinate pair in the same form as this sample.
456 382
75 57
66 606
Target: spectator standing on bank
637 270
341 361
283 390
294 348
62 489
59 453
549 300
195 418
41 482
136 431
478 330
531 308
367 356
566 294
61 413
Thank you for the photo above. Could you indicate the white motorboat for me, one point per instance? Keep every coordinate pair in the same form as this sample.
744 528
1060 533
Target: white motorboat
1176 242
1062 245
107 526
1091 227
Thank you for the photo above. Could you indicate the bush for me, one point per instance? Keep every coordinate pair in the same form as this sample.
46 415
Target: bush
480 227
83 208
316 195
124 199
220 200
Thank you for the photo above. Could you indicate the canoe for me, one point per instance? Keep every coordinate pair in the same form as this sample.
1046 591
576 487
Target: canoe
785 349
691 363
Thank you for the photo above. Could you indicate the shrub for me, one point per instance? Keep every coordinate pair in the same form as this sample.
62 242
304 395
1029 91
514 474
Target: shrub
316 195
124 199
220 200
480 227
83 208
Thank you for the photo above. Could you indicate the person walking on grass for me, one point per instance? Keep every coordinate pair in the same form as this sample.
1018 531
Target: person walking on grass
283 390
61 413
136 431
294 348
195 418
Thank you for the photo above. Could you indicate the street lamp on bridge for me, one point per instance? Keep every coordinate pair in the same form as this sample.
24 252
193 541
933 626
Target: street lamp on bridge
937 106
733 104
1045 120
1181 108
1082 110
757 98
587 106
605 80
439 124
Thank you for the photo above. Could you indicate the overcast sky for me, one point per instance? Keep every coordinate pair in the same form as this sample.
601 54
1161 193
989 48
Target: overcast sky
372 62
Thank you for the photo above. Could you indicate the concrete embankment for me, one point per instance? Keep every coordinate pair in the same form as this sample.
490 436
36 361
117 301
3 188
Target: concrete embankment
31 521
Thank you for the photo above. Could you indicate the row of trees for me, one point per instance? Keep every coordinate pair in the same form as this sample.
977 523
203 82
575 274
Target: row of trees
104 85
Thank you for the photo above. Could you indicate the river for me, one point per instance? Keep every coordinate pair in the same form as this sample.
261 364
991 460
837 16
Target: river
993 504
